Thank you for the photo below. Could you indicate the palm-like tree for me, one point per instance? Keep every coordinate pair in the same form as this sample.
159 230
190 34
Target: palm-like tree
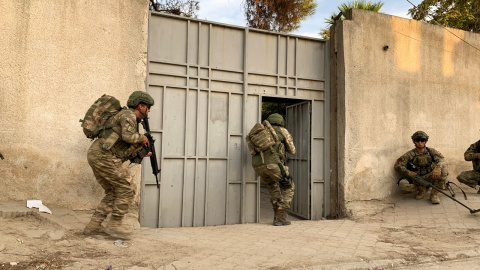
344 8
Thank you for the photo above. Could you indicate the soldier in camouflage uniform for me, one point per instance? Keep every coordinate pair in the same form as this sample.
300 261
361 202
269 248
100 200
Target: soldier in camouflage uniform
425 162
472 178
272 170
106 155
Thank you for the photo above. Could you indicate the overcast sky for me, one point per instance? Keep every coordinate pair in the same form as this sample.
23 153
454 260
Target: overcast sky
231 12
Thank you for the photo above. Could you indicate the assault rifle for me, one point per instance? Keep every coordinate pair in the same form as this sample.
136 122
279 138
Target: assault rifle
419 180
151 148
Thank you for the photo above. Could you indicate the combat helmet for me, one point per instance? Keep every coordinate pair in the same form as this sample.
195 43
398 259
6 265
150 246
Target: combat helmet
138 97
419 135
276 119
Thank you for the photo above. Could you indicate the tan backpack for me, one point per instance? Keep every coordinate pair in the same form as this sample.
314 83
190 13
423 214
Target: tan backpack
97 115
261 137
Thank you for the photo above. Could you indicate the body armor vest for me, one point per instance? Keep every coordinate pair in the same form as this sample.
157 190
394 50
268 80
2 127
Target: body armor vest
422 163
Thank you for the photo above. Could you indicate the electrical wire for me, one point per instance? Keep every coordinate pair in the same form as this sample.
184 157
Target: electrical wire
437 23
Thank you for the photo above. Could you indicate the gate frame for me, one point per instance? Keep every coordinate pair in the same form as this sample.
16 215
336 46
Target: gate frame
245 94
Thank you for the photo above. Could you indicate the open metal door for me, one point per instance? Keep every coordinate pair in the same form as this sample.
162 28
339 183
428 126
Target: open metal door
298 124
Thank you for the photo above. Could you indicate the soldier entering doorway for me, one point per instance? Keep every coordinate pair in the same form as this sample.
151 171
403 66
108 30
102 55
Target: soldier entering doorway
268 142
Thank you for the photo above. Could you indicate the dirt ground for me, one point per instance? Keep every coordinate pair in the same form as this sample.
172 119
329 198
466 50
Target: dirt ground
34 243
445 236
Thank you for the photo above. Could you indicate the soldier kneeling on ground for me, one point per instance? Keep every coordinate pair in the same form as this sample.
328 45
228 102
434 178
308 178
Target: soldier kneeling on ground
472 178
424 162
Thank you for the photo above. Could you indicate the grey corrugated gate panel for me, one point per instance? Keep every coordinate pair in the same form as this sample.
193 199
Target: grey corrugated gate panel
208 80
298 122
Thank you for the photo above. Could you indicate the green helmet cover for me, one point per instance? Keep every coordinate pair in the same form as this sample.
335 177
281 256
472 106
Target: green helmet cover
419 135
276 119
138 97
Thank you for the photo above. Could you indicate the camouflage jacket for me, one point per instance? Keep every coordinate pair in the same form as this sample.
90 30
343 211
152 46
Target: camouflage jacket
123 139
278 155
434 157
471 155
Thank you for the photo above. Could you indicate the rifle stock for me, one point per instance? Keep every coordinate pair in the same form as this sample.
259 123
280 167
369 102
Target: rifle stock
151 148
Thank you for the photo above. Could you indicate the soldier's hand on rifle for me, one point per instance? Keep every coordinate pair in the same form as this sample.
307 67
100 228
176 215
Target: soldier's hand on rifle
478 155
411 174
145 141
436 173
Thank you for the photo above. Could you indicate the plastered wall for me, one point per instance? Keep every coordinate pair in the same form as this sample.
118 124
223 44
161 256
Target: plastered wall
57 57
426 79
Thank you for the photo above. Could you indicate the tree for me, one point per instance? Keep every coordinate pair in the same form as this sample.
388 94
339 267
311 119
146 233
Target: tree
273 107
461 14
344 8
278 15
186 8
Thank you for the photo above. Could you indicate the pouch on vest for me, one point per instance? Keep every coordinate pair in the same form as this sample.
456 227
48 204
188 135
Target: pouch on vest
97 115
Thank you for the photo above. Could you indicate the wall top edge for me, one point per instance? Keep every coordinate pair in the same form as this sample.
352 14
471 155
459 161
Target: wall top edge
161 14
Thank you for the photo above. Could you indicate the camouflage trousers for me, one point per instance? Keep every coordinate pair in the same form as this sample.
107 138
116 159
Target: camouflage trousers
469 178
114 179
439 182
280 195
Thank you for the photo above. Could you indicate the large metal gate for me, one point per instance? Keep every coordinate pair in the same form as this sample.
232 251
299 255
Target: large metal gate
208 80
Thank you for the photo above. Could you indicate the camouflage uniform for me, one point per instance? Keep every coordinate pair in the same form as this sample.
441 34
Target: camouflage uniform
106 157
471 178
270 167
423 164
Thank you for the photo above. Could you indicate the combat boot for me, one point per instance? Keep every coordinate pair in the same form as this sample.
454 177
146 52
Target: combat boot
94 228
406 187
275 217
282 218
422 191
434 196
117 229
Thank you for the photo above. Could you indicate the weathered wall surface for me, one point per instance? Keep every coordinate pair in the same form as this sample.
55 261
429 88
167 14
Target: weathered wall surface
426 80
56 58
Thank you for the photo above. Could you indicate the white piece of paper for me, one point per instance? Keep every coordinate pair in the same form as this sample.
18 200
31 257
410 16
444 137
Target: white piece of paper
34 203
38 204
44 209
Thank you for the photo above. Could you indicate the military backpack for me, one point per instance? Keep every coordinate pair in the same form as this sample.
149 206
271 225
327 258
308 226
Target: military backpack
261 137
97 115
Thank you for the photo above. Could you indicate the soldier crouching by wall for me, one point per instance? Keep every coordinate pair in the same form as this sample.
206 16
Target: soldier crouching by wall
472 178
425 162
106 155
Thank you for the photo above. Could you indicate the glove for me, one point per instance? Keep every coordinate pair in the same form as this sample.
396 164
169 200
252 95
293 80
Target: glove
286 182
436 172
411 174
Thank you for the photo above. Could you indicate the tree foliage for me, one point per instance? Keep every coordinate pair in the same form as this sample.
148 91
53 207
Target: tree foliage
461 14
186 8
278 15
343 9
273 107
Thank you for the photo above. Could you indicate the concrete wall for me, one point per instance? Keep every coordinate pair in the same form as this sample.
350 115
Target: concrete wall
56 58
428 79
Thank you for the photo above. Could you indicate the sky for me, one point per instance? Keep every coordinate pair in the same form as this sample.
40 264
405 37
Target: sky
231 12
